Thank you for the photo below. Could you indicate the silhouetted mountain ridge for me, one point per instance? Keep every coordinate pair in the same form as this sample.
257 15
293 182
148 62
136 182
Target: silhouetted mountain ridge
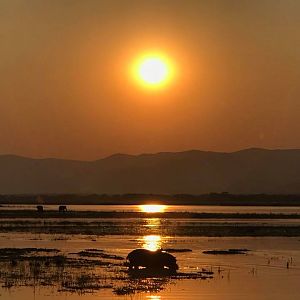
192 172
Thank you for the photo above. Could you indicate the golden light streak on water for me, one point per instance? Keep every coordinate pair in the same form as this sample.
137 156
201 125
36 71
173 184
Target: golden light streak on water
152 242
153 297
153 222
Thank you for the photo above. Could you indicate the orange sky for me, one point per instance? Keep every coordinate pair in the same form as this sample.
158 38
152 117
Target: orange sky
66 91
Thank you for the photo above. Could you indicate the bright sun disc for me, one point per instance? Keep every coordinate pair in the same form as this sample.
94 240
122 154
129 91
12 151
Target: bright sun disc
153 71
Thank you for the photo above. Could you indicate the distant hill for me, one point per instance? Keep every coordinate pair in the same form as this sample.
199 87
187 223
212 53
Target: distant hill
248 171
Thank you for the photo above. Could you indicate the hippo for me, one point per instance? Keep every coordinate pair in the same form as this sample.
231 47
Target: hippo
62 208
151 260
40 208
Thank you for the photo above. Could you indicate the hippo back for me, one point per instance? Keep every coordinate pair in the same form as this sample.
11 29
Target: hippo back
140 257
151 259
169 260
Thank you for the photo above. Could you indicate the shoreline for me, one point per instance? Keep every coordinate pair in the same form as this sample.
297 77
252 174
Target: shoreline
53 214
214 199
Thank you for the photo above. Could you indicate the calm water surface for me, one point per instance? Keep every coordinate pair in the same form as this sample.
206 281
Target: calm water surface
262 274
271 270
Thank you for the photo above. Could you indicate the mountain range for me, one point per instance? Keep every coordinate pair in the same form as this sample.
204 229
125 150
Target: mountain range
248 171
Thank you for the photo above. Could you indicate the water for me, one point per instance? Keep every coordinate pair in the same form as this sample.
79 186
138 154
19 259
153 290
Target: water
271 270
260 275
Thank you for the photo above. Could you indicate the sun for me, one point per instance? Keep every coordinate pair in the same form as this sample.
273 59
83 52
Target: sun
153 70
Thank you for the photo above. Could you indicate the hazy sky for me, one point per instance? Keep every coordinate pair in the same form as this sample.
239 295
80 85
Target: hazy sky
65 88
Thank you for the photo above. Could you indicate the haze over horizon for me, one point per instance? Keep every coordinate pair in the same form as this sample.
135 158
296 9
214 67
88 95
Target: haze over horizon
66 92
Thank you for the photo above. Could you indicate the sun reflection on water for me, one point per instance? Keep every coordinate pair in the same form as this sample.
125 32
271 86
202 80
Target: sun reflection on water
154 223
152 242
153 297
152 208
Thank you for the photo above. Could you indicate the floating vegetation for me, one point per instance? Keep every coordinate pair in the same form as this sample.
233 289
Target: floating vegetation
176 250
17 252
99 253
227 251
94 250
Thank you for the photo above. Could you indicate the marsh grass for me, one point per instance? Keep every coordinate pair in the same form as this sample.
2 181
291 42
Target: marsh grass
51 268
43 267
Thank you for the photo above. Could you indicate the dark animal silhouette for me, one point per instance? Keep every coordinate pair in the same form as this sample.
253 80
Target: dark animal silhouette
40 208
151 260
62 208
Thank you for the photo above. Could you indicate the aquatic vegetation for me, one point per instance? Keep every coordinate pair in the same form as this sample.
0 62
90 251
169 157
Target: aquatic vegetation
227 251
68 274
176 250
51 267
99 253
133 286
83 283
20 252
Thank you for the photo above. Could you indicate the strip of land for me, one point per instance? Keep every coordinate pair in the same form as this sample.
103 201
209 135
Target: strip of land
225 199
11 214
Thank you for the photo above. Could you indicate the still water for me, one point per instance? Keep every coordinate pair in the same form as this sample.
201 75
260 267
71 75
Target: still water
262 274
270 270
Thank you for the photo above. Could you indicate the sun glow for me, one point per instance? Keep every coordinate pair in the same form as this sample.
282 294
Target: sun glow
153 297
152 208
153 71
